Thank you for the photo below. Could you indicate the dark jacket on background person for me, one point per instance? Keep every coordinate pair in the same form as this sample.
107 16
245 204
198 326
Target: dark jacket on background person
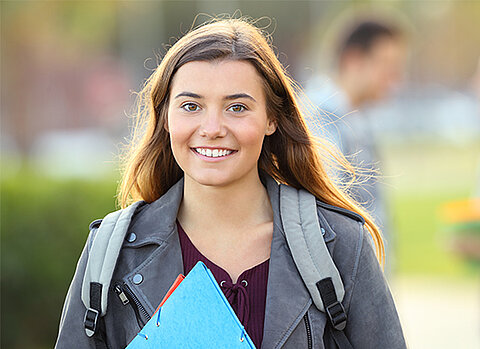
151 259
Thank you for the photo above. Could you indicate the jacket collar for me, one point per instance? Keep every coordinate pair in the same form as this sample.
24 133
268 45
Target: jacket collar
154 222
287 297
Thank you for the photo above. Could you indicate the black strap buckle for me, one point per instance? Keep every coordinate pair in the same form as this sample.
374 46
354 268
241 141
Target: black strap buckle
337 315
90 321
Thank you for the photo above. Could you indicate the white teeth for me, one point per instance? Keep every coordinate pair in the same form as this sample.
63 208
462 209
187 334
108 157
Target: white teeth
213 153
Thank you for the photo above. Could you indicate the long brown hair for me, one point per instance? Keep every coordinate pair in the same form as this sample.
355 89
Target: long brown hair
290 155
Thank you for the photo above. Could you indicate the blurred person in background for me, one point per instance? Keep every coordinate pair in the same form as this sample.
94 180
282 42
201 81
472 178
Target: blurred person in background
369 66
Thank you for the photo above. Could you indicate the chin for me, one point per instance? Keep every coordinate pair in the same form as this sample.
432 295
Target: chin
212 179
221 178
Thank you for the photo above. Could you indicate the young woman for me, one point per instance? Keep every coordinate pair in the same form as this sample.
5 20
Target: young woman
217 120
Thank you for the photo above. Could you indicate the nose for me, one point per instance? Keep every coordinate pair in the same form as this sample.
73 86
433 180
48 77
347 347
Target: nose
212 125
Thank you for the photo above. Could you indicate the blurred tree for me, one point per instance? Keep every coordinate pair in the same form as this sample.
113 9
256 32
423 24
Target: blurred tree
44 224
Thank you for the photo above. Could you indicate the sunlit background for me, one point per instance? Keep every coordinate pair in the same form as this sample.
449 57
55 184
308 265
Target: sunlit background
69 70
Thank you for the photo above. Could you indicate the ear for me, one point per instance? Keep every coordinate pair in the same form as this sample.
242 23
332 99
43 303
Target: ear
165 124
271 127
164 120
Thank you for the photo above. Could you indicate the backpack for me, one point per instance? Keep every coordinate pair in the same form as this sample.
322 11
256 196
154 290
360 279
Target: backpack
304 234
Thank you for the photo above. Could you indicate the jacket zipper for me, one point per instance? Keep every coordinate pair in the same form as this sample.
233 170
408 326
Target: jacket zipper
126 295
309 331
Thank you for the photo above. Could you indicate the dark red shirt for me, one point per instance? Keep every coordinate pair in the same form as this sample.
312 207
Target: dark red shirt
247 297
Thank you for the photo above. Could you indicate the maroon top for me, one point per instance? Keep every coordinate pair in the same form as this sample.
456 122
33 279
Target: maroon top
247 297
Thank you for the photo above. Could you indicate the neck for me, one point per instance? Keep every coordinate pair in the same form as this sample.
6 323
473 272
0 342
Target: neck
233 208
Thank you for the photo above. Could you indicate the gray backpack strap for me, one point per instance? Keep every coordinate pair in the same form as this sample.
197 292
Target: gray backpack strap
299 215
102 259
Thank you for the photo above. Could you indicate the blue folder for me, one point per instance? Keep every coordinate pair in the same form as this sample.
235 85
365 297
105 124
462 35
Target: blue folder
196 315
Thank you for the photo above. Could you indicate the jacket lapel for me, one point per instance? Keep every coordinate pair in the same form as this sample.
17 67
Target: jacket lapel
156 232
287 297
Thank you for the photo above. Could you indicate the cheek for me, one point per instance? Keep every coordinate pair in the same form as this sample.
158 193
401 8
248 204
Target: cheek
373 78
179 134
251 135
179 145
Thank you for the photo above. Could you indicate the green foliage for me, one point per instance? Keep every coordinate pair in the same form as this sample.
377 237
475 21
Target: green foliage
423 247
44 225
423 177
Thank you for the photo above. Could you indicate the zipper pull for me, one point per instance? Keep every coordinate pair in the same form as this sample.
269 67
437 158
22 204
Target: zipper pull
121 295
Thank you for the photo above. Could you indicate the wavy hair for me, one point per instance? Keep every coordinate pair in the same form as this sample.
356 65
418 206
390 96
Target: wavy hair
291 154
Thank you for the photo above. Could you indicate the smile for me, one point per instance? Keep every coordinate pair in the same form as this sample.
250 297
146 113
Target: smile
213 153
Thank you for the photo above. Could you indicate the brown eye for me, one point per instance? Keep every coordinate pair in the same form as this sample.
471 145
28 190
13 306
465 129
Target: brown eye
191 107
237 108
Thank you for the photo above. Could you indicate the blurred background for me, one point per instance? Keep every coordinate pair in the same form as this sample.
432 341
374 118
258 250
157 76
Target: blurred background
68 73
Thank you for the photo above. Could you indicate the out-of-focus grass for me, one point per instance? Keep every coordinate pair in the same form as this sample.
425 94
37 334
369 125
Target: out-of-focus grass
423 245
421 179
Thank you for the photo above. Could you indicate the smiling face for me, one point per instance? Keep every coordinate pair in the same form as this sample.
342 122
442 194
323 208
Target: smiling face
217 121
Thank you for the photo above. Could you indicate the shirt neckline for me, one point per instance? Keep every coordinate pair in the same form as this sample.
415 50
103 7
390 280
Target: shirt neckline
240 277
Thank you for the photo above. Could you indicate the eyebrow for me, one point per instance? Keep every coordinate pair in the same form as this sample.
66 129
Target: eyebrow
229 97
240 95
188 94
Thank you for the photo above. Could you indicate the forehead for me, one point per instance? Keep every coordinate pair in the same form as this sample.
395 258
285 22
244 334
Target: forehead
222 77
387 46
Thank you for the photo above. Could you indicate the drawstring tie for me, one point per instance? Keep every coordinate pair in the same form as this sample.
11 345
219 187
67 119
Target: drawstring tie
236 295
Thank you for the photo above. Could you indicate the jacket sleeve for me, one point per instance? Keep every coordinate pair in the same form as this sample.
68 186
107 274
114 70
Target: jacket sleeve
71 332
373 321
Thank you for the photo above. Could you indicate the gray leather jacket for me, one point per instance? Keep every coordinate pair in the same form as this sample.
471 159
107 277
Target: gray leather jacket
151 259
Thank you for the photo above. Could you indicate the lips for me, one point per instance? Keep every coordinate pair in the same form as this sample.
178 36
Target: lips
213 152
